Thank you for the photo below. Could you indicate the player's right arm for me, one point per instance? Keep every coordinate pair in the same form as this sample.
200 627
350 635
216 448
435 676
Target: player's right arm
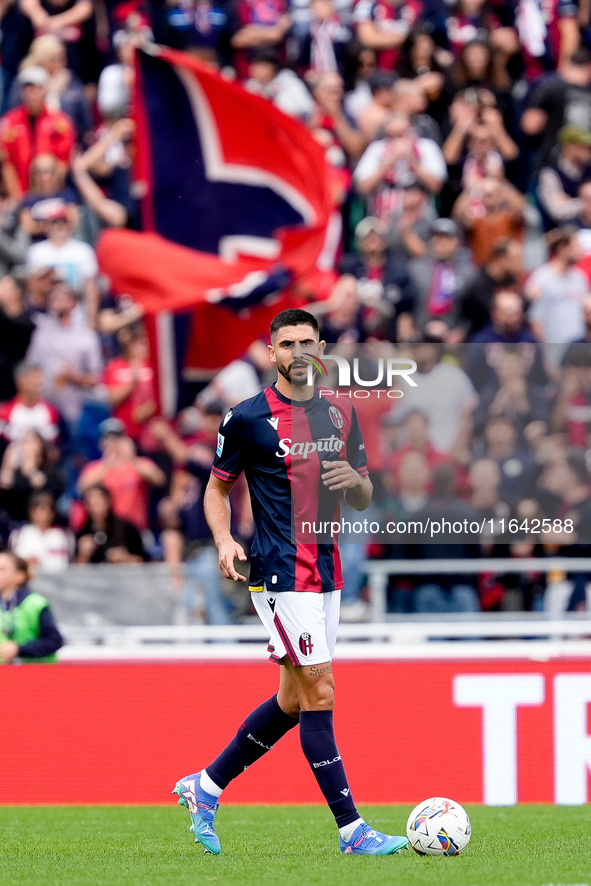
216 504
227 467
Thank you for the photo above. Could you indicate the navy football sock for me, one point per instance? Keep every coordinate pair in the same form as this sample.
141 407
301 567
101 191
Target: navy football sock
257 735
321 752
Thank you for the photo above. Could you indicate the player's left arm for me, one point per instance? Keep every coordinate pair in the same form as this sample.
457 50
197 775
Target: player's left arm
340 475
350 475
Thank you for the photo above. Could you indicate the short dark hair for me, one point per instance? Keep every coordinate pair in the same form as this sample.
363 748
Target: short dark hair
98 487
19 564
381 80
293 317
41 497
559 237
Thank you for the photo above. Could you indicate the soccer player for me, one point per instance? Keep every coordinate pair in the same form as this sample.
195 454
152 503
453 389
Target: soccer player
299 451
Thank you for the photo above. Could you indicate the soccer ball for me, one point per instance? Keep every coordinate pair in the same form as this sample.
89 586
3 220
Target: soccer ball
438 827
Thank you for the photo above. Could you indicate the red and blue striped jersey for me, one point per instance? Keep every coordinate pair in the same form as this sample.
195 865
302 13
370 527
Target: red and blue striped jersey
280 445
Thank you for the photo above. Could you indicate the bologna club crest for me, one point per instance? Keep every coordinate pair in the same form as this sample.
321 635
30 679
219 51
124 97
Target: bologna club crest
336 417
306 644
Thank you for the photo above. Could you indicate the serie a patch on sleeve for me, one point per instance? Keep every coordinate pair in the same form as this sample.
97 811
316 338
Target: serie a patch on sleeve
220 445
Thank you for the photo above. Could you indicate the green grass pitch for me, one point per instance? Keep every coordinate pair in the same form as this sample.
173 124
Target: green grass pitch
282 846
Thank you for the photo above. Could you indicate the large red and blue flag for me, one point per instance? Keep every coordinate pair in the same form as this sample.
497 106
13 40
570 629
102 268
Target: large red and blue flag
237 205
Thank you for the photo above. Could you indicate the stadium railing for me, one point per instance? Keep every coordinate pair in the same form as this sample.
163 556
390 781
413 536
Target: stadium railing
123 613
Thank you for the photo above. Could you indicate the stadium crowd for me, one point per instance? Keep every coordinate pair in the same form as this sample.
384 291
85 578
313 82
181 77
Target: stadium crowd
458 135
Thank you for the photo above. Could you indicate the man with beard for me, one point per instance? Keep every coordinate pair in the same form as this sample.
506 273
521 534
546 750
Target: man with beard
299 451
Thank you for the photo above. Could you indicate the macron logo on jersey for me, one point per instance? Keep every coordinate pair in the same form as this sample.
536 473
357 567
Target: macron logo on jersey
227 418
274 422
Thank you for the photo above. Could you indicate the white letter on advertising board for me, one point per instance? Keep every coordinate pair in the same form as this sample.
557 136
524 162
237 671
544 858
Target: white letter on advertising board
499 696
572 742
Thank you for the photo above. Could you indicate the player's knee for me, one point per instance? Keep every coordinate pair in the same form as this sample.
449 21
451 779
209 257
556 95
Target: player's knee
321 695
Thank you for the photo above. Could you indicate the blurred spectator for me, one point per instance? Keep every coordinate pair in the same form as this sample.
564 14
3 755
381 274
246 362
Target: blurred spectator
65 91
373 116
503 270
414 481
384 25
445 593
359 68
116 80
16 329
330 116
186 537
410 98
549 34
519 471
561 100
445 394
125 475
69 354
438 277
198 28
586 337
105 537
240 379
28 631
32 128
413 437
476 20
103 178
68 20
394 162
46 197
478 145
253 25
340 317
324 46
38 284
511 383
507 321
44 546
14 240
478 66
557 290
571 412
412 223
28 411
129 380
582 219
75 261
382 282
267 77
26 468
485 482
560 181
490 209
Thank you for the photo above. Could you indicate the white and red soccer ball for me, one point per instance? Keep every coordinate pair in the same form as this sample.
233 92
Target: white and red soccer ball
438 826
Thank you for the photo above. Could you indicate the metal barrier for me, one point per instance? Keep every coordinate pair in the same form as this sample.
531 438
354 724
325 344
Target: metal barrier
379 571
490 636
127 612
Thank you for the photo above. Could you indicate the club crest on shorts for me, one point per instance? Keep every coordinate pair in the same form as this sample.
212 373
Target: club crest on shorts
305 643
336 417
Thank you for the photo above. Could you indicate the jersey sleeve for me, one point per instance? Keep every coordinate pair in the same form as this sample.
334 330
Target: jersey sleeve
356 447
231 446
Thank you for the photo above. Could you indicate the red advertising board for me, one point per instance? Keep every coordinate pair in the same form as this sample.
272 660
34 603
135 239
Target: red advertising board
478 731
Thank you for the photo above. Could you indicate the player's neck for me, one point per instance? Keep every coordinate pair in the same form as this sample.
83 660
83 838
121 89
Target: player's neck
293 392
